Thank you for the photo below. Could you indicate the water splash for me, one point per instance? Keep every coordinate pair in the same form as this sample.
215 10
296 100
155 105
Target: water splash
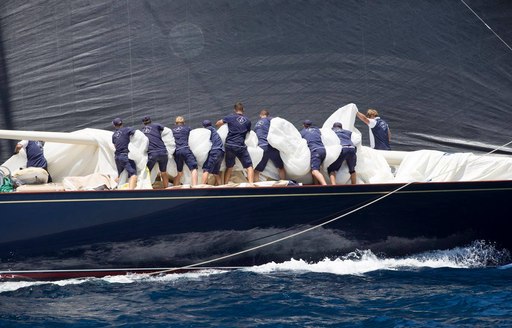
477 255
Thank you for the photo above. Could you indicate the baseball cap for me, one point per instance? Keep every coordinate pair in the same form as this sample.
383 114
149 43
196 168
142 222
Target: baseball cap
146 119
308 122
337 125
117 121
207 123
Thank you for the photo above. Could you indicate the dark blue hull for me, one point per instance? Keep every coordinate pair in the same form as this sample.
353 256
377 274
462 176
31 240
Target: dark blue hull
66 234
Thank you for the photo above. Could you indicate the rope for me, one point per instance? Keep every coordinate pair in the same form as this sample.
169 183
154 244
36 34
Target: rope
347 213
130 56
316 226
496 34
286 237
496 149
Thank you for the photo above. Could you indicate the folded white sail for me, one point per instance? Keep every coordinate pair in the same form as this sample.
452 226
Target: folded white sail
89 151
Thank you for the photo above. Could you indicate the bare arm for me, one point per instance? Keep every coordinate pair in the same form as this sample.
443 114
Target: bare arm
18 148
219 123
363 118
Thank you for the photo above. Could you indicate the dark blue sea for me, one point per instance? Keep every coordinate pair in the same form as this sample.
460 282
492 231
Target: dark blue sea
447 288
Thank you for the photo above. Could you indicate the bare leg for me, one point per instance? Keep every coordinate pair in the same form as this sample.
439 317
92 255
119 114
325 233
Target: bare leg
132 182
177 179
256 175
353 178
165 179
205 177
250 174
218 180
194 177
227 175
282 174
332 176
319 177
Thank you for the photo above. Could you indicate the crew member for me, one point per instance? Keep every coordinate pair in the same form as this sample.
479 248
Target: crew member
380 134
348 154
35 154
157 152
262 127
121 140
313 137
238 127
183 154
215 155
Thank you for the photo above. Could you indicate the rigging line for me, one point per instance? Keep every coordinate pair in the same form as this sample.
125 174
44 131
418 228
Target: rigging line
306 230
310 223
286 237
498 148
496 34
130 53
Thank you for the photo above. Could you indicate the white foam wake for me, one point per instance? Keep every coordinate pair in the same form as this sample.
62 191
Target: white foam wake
477 255
8 286
367 262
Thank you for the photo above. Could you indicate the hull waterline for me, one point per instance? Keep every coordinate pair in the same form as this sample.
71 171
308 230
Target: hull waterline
54 235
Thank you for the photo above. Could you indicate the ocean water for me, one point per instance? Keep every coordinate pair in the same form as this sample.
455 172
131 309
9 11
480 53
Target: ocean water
449 288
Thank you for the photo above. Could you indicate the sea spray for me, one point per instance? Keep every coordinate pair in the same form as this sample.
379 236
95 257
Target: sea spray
479 254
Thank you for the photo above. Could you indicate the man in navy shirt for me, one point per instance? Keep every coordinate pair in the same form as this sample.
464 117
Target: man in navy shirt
183 154
35 154
348 153
313 137
269 152
215 155
121 140
380 134
157 152
238 127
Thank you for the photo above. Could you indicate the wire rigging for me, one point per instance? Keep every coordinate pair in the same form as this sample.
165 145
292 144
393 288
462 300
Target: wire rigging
316 226
286 237
486 25
352 211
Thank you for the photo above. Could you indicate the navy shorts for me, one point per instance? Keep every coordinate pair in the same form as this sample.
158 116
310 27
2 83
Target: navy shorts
124 163
162 160
317 158
213 162
270 153
241 153
186 156
348 154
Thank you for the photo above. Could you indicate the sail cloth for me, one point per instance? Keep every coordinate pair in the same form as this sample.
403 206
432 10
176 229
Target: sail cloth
436 166
67 160
371 167
200 145
77 160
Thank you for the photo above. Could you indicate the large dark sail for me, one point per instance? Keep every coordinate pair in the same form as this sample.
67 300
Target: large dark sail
435 72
